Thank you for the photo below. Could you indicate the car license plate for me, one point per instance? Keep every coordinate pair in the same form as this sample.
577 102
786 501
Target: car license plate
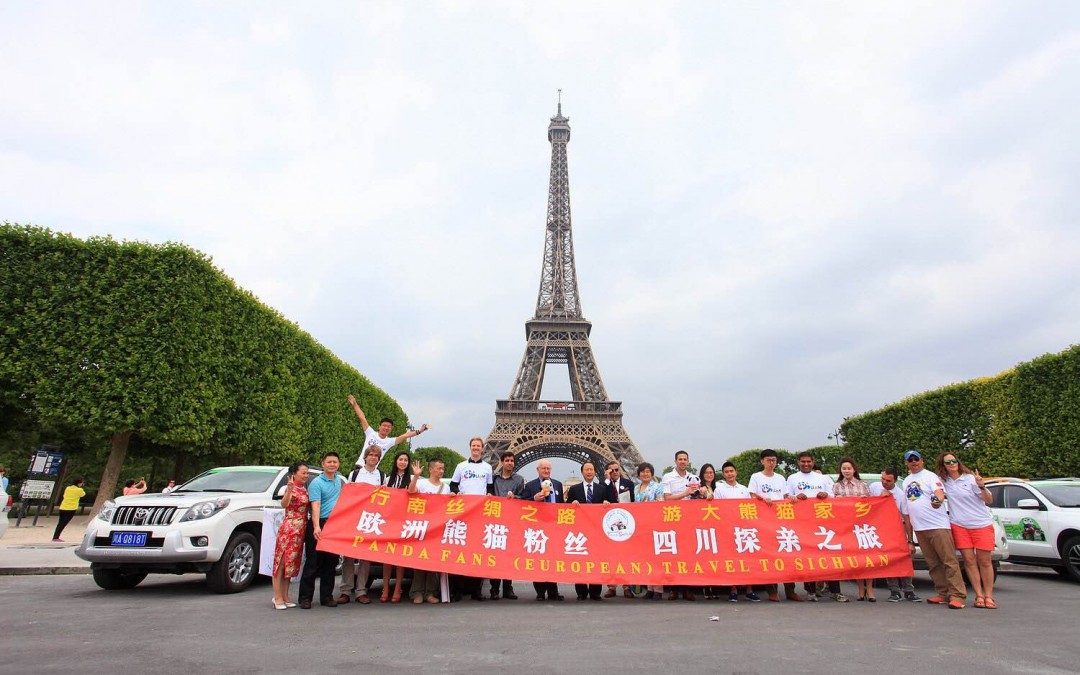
128 539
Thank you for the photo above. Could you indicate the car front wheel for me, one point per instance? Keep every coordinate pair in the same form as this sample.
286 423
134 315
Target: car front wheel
237 567
1070 555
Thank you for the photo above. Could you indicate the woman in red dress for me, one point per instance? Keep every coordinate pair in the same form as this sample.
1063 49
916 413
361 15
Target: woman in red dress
289 550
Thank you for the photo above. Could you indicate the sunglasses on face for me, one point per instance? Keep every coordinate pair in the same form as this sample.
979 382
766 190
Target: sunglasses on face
913 459
951 461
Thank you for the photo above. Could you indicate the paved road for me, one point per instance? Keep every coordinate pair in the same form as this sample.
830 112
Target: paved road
65 624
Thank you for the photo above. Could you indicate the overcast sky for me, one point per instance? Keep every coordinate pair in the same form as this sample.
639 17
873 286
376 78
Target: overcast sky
784 213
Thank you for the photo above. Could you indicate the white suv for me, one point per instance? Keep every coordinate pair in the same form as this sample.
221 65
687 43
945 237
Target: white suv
1041 520
210 524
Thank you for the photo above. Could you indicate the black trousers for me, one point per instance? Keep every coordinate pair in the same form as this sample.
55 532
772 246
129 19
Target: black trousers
588 590
546 588
317 565
65 518
506 584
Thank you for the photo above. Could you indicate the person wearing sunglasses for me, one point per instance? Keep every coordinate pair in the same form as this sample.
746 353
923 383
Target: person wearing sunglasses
923 495
972 524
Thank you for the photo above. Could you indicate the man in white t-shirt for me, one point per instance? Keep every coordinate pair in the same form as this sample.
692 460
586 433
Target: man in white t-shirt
680 484
768 486
474 476
730 488
381 438
354 572
808 484
425 584
889 486
923 495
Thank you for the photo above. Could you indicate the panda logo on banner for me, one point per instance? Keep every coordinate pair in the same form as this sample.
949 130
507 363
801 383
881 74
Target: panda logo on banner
618 524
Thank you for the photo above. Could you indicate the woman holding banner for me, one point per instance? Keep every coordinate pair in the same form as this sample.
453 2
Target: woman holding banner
289 550
850 485
649 490
398 478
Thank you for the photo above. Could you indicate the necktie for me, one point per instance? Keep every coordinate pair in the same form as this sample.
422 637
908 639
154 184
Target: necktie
588 493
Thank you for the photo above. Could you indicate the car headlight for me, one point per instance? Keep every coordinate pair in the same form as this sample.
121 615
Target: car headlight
204 509
107 511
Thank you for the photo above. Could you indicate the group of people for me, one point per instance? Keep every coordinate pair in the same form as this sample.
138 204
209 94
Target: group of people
964 526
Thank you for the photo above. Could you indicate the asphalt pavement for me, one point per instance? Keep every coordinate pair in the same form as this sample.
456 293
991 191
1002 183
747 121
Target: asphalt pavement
175 625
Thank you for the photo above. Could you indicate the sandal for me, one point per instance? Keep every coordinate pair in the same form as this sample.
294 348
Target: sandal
989 603
385 597
397 596
980 602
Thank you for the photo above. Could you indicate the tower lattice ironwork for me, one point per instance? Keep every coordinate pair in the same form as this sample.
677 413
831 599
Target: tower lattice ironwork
589 426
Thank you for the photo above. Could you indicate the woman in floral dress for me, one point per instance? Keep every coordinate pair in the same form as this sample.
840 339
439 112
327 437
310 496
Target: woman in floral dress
289 550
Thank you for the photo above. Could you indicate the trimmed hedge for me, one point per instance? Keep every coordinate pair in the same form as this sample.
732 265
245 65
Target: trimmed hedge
122 339
1024 422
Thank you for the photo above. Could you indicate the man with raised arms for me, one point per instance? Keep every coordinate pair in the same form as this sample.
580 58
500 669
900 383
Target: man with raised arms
382 437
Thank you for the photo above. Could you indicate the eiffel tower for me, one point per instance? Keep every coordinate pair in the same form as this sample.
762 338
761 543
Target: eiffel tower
590 426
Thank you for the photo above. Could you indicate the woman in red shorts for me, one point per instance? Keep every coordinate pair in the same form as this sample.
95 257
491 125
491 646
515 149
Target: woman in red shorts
972 527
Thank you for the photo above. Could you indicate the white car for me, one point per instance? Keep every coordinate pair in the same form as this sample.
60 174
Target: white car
211 524
1041 520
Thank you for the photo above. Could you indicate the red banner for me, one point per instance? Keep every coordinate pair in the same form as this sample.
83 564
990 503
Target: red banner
690 542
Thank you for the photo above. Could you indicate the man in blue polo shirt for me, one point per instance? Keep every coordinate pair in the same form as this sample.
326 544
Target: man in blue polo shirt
323 493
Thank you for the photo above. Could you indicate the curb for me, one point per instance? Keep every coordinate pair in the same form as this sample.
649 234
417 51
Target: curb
42 571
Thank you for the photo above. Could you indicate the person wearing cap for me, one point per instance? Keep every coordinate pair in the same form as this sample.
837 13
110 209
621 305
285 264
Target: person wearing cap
923 494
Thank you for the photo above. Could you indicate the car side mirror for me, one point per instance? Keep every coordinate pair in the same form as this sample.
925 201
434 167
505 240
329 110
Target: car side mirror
1030 504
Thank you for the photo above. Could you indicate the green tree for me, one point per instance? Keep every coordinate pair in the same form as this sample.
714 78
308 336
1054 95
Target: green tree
132 340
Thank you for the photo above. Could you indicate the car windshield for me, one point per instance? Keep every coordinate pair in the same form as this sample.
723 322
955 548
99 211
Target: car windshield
253 479
1067 496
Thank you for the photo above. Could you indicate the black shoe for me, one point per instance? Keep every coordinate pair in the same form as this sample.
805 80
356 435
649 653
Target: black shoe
540 597
479 597
328 602
583 597
305 604
509 594
494 595
557 598
455 597
595 597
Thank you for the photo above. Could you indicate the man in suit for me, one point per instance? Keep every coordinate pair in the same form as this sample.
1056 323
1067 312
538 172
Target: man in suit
588 491
544 488
619 490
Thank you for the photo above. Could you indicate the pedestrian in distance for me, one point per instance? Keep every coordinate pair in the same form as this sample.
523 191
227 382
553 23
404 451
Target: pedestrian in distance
69 506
